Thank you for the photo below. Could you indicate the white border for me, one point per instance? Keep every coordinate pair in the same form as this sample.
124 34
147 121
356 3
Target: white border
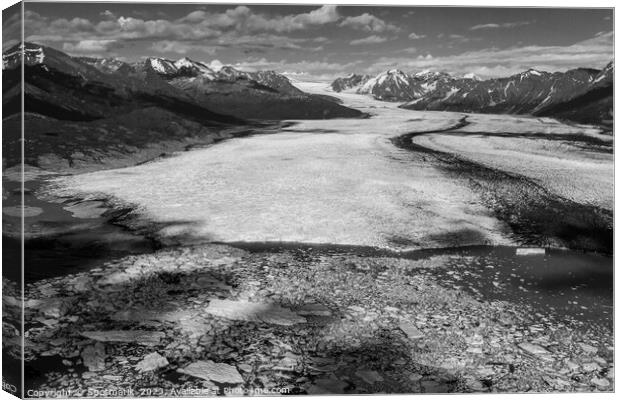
470 3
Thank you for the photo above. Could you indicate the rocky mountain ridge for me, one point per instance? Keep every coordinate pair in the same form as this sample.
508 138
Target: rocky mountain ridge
581 95
84 110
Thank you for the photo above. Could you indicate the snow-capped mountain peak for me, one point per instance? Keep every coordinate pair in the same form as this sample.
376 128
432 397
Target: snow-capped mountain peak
183 67
350 83
231 73
33 55
429 75
109 64
606 74
161 65
531 72
393 73
392 85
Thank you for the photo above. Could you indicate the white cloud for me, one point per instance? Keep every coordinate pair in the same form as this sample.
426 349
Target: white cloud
369 23
11 28
505 25
195 26
173 46
415 36
108 14
323 15
252 32
368 40
135 28
89 46
77 24
242 18
263 40
321 70
321 39
197 31
493 62
263 63
459 38
216 65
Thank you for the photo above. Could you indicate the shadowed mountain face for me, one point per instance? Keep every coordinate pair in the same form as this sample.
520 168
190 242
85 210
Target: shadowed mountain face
75 113
253 95
77 106
62 87
396 85
594 103
58 85
352 81
581 95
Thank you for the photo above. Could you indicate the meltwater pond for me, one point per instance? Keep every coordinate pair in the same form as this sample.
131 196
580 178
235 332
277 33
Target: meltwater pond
564 283
58 240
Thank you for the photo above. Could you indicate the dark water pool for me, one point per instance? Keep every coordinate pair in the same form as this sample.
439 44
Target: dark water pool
563 283
57 242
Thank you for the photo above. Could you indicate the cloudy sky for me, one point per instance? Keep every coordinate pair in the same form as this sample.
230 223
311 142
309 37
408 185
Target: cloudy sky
328 41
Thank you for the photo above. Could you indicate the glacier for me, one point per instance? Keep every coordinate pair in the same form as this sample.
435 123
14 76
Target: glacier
338 181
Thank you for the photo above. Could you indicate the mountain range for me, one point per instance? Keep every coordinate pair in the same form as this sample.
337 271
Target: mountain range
262 94
84 108
580 95
79 107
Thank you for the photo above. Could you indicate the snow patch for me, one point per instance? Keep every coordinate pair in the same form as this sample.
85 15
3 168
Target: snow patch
160 65
451 92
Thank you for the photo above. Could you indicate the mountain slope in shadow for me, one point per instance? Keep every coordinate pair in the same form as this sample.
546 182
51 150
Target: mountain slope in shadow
81 111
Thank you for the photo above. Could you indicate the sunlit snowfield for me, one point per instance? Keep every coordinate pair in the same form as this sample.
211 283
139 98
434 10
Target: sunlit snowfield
566 168
343 181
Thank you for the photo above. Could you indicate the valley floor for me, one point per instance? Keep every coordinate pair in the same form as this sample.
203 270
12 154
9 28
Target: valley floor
343 181
324 298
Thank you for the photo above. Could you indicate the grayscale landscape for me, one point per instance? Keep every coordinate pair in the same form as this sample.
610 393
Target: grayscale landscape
198 228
